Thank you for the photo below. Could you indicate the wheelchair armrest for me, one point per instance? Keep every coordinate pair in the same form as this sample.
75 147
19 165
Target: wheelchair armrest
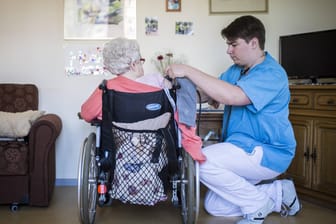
95 122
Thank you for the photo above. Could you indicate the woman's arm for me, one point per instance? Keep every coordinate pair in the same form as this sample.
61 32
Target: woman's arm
92 107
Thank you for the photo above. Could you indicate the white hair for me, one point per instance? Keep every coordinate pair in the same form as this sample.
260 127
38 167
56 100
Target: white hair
119 54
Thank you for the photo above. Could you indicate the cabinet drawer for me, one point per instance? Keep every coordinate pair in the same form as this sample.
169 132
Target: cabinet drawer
301 100
325 101
210 127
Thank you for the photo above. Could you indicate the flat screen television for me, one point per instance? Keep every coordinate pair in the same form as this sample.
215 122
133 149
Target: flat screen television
309 55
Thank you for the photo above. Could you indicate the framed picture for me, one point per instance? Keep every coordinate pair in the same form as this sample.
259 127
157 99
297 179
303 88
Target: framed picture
237 6
173 5
96 19
184 28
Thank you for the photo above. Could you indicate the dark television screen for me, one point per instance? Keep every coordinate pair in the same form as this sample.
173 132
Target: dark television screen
309 55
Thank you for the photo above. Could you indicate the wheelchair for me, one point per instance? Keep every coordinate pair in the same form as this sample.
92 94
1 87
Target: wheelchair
135 156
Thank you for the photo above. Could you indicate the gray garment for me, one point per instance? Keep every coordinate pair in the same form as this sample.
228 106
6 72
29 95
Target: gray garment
186 102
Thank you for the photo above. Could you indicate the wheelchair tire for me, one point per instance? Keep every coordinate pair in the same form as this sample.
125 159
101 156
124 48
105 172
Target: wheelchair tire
87 180
189 189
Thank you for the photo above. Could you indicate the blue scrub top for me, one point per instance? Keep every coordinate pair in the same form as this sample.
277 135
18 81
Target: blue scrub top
265 121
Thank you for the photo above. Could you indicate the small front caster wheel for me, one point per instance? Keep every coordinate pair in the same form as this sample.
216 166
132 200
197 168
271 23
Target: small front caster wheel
14 207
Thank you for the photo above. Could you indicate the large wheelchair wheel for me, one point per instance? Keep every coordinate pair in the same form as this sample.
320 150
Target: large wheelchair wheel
87 180
189 189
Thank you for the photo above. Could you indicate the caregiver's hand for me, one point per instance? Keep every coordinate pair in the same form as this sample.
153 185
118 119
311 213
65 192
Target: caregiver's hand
177 70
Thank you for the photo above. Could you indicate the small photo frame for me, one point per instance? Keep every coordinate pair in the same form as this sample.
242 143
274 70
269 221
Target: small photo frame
173 5
184 28
152 26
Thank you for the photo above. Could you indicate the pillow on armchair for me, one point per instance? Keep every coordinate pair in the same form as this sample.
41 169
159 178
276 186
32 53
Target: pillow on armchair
17 125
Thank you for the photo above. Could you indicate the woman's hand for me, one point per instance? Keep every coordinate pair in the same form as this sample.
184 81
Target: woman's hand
176 71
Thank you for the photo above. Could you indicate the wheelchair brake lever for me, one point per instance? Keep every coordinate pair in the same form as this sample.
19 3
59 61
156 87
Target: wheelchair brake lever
174 82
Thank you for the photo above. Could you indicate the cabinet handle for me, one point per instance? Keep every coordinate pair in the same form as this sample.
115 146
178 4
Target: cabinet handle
330 102
314 155
306 154
295 100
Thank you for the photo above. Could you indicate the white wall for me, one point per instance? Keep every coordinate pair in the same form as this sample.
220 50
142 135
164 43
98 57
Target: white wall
31 51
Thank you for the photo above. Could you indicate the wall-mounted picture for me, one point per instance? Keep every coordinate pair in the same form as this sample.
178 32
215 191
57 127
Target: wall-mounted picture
237 6
99 19
152 26
184 28
173 5
83 60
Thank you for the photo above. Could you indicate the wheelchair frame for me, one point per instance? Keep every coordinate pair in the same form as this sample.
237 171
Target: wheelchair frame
92 192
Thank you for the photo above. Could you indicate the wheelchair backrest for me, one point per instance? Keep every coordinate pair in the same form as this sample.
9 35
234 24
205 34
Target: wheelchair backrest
132 107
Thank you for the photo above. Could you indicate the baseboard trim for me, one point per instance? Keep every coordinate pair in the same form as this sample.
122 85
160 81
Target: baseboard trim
66 182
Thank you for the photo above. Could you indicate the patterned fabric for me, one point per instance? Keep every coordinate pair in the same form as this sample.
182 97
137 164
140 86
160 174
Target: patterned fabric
140 157
18 97
13 158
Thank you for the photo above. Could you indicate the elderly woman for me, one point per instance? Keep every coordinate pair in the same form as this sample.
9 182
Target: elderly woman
122 58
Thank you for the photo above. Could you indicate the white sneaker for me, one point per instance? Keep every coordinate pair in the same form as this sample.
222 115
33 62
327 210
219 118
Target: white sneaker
290 201
258 216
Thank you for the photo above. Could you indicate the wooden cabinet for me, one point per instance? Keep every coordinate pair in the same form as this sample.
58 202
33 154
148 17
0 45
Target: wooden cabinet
313 116
210 126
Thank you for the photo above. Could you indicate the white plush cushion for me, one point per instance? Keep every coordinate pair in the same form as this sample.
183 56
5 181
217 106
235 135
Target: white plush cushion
18 124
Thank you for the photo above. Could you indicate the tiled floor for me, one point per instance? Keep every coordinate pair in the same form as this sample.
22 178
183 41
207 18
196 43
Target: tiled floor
63 210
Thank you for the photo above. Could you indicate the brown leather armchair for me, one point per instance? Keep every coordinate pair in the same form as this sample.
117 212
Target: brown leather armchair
27 164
